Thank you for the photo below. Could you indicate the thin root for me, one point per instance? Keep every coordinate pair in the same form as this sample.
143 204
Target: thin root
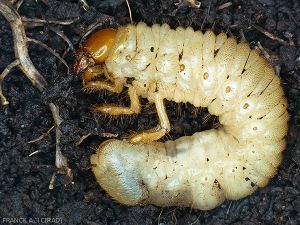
60 160
42 136
18 3
64 37
84 5
29 22
264 52
269 35
51 51
130 15
3 75
33 153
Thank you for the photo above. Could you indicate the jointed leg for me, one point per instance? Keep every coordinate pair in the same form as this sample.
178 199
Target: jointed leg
91 73
116 110
155 134
116 86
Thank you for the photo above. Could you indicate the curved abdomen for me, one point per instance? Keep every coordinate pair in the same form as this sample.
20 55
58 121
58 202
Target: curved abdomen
198 171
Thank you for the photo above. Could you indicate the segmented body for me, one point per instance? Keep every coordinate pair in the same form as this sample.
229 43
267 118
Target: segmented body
206 70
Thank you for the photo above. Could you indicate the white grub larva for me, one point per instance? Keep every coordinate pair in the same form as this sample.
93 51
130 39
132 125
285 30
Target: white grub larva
200 171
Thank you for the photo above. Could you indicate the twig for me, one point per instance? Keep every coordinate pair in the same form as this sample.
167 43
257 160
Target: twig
224 6
269 35
52 51
130 15
41 137
20 45
3 75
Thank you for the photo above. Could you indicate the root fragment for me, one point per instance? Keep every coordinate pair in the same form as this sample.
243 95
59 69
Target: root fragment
263 50
64 37
61 161
270 35
224 6
52 52
193 3
35 22
129 10
41 137
2 76
84 5
20 45
33 153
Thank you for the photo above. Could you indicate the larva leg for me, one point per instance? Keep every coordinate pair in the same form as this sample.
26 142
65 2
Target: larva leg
116 110
92 73
116 86
154 134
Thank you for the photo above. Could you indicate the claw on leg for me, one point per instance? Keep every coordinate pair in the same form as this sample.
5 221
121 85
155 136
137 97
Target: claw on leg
117 110
155 134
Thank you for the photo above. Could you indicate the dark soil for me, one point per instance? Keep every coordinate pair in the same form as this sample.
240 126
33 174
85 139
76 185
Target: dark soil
24 179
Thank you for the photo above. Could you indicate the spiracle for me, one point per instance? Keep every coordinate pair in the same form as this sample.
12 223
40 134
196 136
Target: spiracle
200 171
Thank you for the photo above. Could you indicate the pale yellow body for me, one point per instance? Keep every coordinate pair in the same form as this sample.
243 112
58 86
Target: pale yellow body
202 170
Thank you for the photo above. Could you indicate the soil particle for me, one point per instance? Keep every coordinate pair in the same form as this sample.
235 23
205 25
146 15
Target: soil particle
288 55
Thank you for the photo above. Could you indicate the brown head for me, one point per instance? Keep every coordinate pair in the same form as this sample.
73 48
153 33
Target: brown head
95 50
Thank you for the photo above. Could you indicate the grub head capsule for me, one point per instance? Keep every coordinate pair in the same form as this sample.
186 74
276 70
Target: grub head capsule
95 50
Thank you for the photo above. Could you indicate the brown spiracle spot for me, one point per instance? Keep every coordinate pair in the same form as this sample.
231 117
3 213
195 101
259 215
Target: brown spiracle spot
228 89
181 67
246 106
205 76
